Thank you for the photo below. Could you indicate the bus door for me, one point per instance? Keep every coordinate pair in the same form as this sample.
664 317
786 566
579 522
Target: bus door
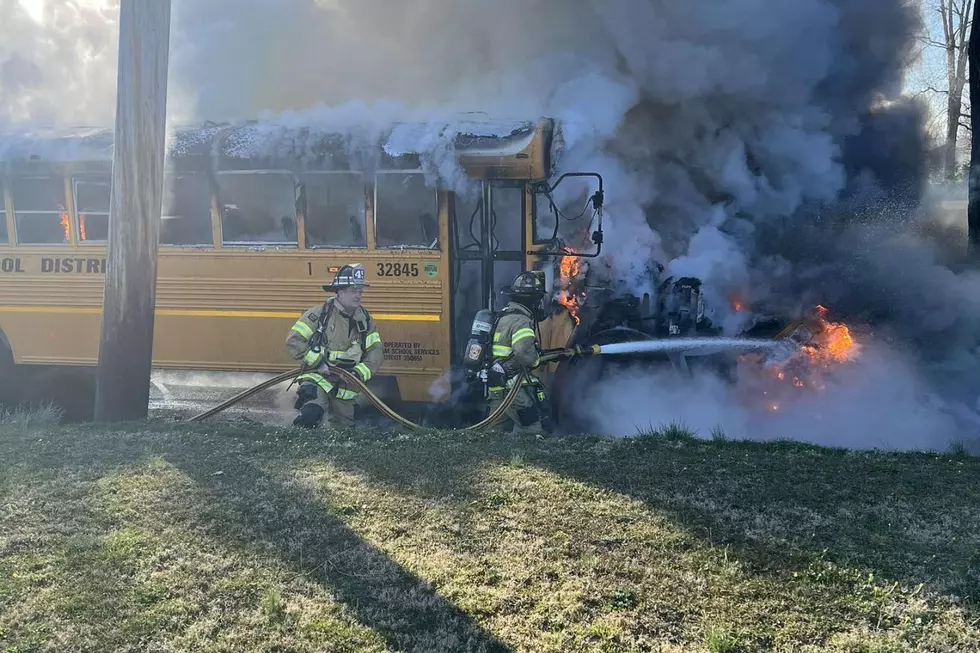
488 250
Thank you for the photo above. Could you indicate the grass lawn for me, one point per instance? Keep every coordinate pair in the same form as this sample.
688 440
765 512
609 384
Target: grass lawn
230 536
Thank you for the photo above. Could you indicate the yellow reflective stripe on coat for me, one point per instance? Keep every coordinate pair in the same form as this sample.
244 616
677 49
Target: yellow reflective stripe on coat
303 329
521 334
364 370
500 350
346 394
373 338
335 354
312 357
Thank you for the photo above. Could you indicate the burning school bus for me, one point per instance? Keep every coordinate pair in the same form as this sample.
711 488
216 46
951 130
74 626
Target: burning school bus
677 311
255 218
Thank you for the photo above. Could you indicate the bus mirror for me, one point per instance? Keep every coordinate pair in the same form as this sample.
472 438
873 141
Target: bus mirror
596 200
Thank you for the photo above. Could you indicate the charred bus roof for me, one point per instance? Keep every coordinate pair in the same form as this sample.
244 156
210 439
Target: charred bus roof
515 150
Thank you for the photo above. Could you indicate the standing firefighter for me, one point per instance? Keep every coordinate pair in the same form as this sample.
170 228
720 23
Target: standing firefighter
342 333
515 346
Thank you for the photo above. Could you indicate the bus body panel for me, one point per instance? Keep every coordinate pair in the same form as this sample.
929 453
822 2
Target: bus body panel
227 305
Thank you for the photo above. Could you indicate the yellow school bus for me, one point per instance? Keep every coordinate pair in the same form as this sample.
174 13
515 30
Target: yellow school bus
255 219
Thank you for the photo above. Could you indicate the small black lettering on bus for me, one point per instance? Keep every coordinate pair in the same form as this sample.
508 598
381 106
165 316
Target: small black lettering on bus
11 265
407 351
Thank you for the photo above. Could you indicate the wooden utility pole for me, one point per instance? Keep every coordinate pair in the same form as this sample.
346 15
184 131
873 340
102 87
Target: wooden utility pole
126 351
973 207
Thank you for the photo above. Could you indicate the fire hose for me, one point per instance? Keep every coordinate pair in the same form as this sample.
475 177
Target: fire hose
354 381
549 356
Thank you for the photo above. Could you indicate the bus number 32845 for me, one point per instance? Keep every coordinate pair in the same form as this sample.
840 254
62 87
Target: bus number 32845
398 269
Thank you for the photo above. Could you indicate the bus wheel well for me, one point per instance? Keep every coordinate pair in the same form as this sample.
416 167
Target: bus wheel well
8 373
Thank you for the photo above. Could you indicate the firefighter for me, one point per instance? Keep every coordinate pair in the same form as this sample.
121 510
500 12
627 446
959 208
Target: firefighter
515 346
342 333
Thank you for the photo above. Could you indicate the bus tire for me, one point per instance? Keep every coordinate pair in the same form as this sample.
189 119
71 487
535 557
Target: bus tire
9 396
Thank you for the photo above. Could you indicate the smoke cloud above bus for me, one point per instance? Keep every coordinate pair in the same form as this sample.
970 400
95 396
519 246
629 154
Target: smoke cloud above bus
730 136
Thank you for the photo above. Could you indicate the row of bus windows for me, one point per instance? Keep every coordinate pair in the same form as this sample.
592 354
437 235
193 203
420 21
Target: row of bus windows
256 208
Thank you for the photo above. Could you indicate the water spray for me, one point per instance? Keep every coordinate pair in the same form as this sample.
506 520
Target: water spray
683 346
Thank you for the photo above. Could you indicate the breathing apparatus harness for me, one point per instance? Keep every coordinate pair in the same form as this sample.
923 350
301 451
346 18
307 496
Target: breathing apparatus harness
479 362
316 340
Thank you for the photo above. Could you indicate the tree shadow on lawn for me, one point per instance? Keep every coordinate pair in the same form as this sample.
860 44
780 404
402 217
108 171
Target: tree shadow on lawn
257 507
253 507
906 517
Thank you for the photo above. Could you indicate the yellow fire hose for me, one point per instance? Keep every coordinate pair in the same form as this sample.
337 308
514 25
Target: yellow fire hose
352 380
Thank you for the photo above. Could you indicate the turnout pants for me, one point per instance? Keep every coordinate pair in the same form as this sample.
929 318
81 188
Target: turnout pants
316 407
524 412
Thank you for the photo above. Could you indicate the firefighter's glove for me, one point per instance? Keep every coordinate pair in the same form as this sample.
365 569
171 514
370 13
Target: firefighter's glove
496 376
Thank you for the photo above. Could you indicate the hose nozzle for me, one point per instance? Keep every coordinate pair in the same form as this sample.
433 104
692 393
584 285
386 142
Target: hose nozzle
552 355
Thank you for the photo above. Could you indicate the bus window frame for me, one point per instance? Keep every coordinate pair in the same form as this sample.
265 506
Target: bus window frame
214 216
374 214
8 215
77 225
65 212
364 209
217 200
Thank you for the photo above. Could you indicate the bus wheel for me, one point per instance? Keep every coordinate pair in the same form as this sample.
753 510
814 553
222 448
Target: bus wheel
9 396
69 390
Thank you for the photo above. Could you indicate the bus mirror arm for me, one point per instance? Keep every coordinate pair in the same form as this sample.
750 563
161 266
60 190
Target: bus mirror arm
597 200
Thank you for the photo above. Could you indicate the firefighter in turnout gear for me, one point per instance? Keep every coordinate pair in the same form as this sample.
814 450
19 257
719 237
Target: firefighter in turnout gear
515 346
342 333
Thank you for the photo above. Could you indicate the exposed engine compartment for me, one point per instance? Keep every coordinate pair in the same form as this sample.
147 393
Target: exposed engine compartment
678 310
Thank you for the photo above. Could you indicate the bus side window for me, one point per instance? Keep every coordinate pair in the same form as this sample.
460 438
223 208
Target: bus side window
257 208
39 210
92 208
404 210
334 210
186 215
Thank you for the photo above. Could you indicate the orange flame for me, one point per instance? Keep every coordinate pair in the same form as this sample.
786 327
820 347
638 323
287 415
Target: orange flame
65 225
737 304
570 267
832 344
81 227
835 344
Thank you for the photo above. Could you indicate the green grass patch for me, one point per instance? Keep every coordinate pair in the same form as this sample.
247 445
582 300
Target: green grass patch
229 536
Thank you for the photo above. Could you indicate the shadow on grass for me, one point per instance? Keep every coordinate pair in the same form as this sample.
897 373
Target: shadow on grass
255 507
250 506
904 517
908 518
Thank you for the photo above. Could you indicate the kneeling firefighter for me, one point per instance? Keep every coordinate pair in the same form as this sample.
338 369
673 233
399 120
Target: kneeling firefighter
515 346
342 333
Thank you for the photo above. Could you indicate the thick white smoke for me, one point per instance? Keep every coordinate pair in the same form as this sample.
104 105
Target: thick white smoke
725 131
879 403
